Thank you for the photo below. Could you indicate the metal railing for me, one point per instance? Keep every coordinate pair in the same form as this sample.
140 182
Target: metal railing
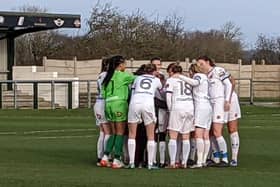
35 84
87 90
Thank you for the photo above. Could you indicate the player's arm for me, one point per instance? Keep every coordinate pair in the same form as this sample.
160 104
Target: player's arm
129 78
169 92
190 81
228 88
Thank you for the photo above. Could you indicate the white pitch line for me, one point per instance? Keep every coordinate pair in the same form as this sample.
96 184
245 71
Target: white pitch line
47 131
58 130
8 133
61 137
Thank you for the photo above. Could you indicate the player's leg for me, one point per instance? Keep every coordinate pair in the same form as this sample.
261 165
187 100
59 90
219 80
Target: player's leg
199 145
217 126
100 145
234 139
172 147
234 115
206 146
185 149
150 129
193 145
132 127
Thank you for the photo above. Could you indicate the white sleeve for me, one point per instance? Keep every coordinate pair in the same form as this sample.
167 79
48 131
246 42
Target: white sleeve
169 91
228 89
190 81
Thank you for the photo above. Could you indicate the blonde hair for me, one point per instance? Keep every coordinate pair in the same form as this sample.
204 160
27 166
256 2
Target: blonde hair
194 68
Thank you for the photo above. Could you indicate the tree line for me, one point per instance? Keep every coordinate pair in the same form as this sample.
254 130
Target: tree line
135 35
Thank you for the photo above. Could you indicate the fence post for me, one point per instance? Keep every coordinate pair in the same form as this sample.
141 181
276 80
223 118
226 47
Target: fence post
75 66
15 95
0 95
239 75
252 82
70 95
89 94
52 95
131 64
187 60
44 63
262 62
35 95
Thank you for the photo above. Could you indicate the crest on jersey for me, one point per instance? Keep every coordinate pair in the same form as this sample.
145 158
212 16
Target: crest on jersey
119 114
98 116
218 117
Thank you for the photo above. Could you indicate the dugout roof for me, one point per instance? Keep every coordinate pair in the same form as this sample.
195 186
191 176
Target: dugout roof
14 24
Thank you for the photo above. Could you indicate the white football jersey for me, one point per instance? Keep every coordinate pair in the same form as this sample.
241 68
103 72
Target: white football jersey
201 92
216 87
99 81
182 93
144 88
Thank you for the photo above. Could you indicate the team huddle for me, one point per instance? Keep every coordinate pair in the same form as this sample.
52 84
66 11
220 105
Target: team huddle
144 117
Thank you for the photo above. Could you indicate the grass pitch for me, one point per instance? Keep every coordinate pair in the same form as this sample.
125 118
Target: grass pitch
58 148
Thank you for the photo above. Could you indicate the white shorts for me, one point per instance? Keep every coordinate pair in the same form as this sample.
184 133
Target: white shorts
234 112
139 112
99 112
218 110
181 121
162 120
203 115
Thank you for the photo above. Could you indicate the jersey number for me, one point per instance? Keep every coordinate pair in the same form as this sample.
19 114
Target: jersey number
146 84
185 88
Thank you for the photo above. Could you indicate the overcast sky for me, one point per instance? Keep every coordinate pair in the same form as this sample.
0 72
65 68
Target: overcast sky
252 16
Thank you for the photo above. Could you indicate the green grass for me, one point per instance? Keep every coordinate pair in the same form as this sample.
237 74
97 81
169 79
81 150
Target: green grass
40 148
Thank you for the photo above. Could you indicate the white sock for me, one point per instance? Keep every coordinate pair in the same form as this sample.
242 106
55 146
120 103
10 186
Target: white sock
179 150
200 150
155 153
223 148
131 144
214 153
106 138
186 151
206 150
172 149
150 149
100 144
193 149
234 139
162 148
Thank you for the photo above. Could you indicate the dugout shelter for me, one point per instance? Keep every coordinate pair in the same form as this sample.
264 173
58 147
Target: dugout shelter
14 24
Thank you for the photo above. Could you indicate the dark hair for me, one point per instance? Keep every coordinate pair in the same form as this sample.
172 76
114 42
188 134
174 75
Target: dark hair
175 68
206 58
150 68
140 70
114 62
104 64
155 58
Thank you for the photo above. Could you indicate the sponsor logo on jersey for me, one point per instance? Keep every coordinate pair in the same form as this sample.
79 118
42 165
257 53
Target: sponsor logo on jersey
2 19
58 22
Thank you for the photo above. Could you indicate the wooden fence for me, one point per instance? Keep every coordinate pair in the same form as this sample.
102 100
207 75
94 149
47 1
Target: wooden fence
258 81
